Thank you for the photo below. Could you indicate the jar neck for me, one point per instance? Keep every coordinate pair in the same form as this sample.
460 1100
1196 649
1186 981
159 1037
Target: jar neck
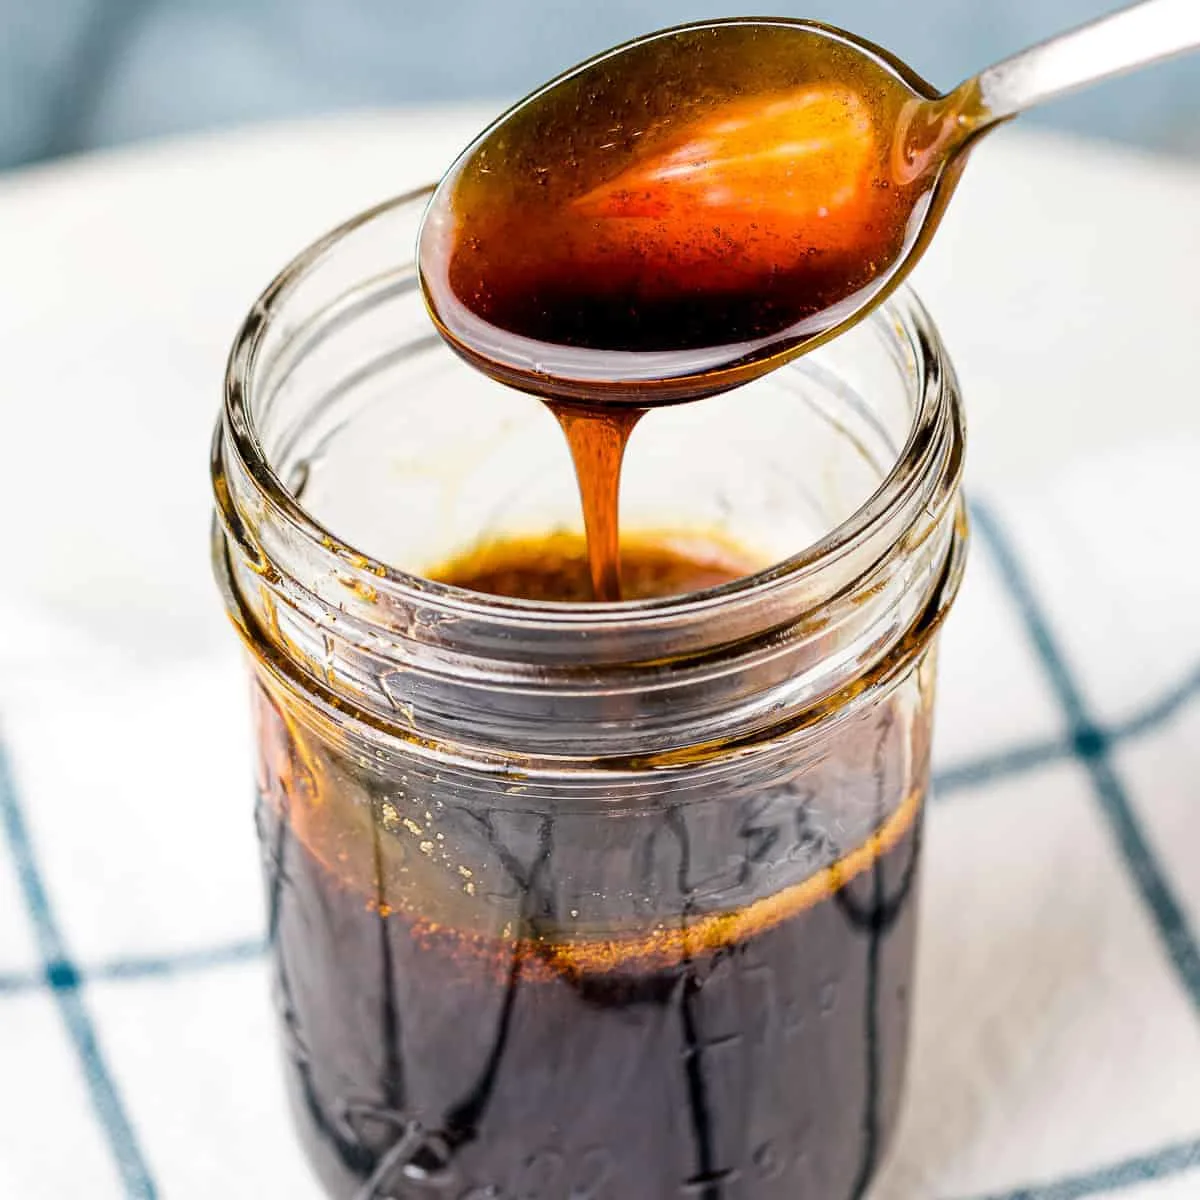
452 672
482 689
730 666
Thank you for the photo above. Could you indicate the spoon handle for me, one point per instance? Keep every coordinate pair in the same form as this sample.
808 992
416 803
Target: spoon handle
1124 40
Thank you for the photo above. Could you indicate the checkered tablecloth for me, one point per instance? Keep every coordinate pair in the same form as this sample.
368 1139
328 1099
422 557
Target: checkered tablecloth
1057 1037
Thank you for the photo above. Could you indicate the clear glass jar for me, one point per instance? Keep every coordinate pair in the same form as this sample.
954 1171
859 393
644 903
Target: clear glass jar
583 901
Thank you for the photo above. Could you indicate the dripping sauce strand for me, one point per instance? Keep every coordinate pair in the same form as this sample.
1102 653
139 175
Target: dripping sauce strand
597 440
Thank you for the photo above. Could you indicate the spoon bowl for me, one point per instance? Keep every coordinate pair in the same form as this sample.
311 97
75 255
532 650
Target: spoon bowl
688 211
617 243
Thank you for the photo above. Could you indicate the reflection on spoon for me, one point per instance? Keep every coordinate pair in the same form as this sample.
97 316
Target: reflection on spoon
690 210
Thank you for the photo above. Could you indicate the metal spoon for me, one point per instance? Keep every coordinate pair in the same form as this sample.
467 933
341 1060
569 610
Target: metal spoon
571 234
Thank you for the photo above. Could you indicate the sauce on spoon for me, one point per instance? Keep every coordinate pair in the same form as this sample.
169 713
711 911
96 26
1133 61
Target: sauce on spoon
677 217
673 217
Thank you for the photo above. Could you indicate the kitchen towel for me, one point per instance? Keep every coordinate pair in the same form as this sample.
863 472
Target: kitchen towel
1056 1049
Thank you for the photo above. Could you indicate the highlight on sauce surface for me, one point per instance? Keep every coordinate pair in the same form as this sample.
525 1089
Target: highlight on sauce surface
556 567
673 211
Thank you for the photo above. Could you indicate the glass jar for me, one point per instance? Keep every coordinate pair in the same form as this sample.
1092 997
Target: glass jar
598 902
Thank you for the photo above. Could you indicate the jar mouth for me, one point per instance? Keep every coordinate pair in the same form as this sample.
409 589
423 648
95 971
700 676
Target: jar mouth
897 501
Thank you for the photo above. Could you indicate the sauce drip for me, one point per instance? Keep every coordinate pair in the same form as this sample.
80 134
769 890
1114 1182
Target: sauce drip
597 440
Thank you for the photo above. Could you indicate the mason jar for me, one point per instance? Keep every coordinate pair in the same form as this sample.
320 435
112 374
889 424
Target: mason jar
583 901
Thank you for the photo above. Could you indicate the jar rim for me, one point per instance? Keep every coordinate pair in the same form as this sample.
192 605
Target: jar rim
895 493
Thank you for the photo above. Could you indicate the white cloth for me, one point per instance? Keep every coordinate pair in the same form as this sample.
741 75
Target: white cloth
1056 1051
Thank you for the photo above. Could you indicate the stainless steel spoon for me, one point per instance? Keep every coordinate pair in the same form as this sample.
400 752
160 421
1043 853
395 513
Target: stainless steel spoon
920 155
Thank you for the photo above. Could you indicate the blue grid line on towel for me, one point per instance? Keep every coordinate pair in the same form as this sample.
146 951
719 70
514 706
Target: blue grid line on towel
1092 747
1143 1168
63 979
1020 759
152 966
1091 744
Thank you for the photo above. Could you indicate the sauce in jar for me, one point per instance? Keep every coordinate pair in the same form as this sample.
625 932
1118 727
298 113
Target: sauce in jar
599 1008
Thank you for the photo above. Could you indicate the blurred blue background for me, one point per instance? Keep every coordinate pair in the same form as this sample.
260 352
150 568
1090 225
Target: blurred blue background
76 74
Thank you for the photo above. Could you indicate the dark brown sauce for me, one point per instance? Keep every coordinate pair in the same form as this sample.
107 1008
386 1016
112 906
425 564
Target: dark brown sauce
487 1001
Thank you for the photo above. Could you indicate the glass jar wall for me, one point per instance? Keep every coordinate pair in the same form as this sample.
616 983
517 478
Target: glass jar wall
580 900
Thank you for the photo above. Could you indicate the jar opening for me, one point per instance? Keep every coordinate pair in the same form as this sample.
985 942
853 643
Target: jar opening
738 654
906 318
